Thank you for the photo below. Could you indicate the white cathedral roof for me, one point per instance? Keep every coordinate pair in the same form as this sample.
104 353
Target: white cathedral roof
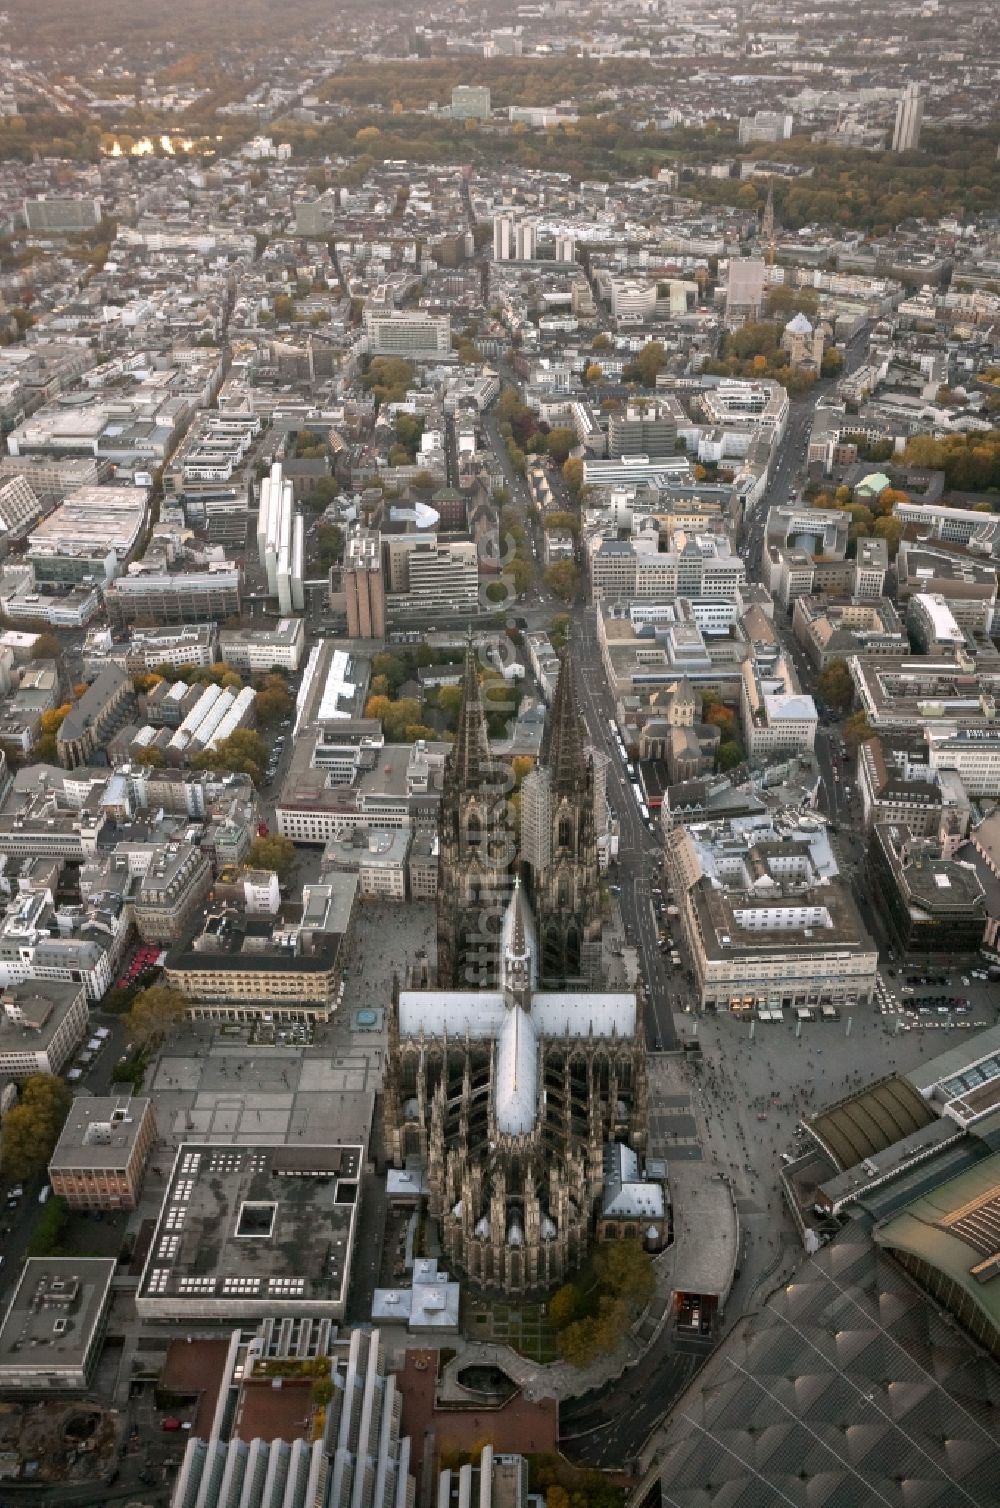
482 1013
517 1074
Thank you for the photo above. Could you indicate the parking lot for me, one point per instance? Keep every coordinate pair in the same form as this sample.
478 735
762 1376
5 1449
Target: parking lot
932 995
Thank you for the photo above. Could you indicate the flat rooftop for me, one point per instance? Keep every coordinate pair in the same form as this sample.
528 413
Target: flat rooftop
265 1225
99 1132
58 1303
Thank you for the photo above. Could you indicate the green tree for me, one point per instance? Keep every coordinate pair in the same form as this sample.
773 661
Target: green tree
330 544
273 852
559 442
730 755
650 361
834 686
154 1011
561 520
31 1129
49 1228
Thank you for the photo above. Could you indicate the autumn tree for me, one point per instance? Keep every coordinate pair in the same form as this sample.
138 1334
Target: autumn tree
857 729
891 530
625 1269
834 686
563 580
242 753
273 701
562 520
31 1129
521 765
154 1011
152 757
49 724
46 647
572 473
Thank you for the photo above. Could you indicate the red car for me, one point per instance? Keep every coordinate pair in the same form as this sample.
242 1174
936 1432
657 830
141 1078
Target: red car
170 1424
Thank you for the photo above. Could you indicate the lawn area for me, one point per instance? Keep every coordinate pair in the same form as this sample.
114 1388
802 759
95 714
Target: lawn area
523 1327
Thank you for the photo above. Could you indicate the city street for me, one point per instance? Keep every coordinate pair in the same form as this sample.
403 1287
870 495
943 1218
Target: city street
639 850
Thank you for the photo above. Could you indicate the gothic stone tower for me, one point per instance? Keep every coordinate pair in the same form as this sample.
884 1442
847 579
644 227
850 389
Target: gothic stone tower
476 852
559 842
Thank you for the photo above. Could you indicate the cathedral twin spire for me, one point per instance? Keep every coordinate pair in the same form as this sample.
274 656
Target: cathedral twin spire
472 763
562 752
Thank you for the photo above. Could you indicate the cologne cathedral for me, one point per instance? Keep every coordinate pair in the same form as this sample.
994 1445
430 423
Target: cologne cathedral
515 1085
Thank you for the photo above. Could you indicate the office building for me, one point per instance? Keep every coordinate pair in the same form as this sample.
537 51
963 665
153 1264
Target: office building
256 650
932 627
631 471
776 717
426 576
101 1155
175 597
171 891
565 248
281 541
415 336
643 429
100 518
19 508
83 945
967 583
470 102
833 630
240 968
41 1027
898 785
525 241
364 585
254 1231
897 695
796 941
909 118
696 566
53 1330
929 903
503 238
61 216
765 125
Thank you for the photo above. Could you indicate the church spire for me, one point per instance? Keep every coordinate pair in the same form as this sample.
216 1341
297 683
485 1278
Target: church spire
471 763
562 744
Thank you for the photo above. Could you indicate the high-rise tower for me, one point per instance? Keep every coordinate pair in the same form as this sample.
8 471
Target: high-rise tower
909 119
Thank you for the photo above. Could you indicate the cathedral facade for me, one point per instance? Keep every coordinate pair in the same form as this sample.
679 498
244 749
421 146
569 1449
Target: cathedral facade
509 1082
